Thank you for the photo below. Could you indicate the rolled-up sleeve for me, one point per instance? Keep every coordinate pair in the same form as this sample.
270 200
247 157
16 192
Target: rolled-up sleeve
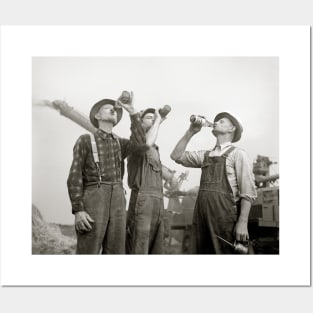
191 159
245 177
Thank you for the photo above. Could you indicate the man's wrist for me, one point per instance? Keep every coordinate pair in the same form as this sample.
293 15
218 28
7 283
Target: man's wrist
158 120
243 219
132 111
189 133
77 210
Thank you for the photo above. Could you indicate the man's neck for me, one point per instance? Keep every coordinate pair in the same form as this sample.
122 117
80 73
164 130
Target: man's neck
221 139
105 126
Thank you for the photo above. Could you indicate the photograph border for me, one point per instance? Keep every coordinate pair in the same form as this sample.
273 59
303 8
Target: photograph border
290 43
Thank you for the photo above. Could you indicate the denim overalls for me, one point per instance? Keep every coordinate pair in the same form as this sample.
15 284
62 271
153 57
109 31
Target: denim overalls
215 210
145 216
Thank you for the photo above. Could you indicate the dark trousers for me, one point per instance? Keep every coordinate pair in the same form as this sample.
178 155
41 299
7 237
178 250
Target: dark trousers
107 207
214 214
145 223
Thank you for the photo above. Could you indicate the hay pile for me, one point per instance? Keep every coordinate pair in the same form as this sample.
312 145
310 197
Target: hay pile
47 238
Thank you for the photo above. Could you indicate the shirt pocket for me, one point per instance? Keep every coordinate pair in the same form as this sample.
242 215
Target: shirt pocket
154 165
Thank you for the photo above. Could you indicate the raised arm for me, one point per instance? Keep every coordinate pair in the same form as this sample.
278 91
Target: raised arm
183 142
128 106
137 142
152 133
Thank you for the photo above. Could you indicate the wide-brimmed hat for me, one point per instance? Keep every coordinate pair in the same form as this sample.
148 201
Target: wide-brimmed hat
236 123
96 107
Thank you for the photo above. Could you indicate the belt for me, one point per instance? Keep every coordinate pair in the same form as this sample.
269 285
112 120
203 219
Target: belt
104 183
156 191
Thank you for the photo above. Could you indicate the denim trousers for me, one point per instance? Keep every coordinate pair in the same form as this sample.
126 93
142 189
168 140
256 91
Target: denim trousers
145 223
106 205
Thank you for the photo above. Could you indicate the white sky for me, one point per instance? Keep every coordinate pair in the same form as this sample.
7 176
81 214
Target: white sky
245 86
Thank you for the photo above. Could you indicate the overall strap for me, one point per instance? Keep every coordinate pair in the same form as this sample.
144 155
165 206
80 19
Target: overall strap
94 148
207 154
227 153
95 155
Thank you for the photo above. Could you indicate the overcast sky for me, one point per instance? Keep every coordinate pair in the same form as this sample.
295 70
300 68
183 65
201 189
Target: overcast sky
245 86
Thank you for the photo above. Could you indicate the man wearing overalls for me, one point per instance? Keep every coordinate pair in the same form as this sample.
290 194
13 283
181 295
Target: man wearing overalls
95 182
226 191
145 216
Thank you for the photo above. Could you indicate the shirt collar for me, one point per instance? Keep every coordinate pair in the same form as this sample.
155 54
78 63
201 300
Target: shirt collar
224 145
103 134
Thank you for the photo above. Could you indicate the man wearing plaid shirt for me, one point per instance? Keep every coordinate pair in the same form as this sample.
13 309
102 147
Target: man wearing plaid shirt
95 189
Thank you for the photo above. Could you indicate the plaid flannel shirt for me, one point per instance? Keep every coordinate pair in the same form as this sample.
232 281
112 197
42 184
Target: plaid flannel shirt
112 151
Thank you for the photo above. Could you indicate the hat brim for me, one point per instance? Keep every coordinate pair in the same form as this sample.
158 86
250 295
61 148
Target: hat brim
149 110
236 123
96 107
